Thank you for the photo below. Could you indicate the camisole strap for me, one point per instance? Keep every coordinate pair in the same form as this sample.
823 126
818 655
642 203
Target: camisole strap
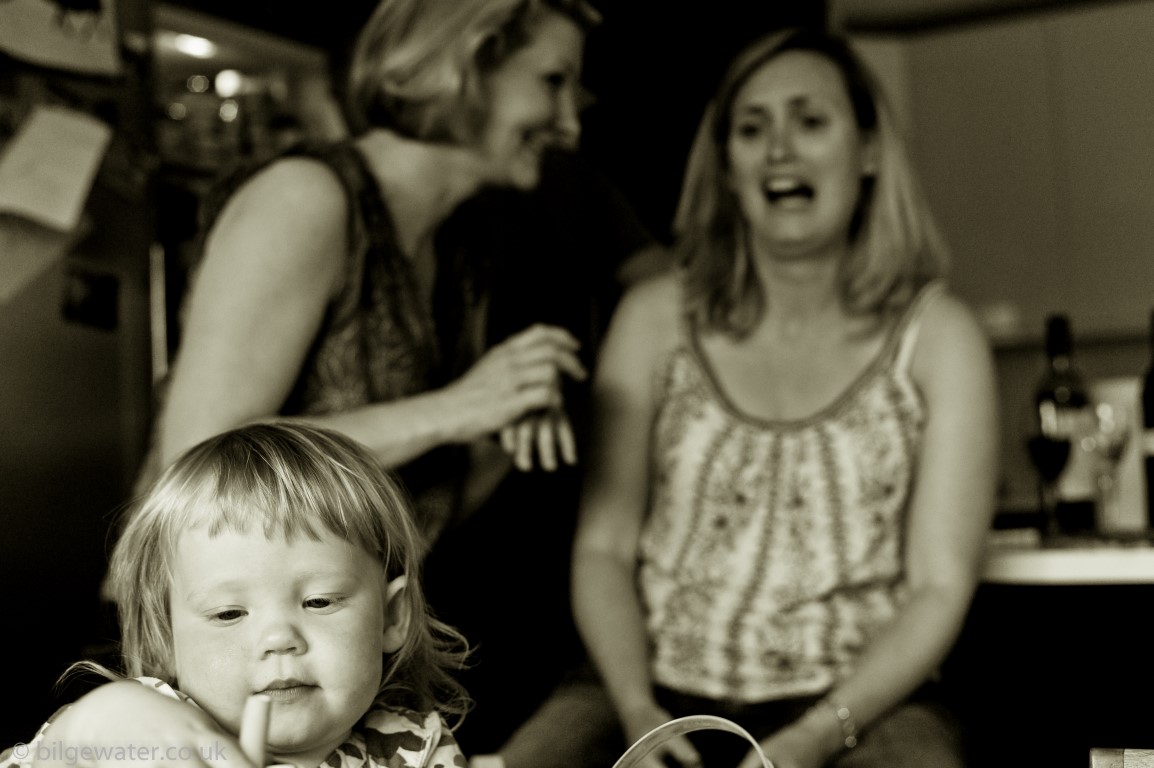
913 324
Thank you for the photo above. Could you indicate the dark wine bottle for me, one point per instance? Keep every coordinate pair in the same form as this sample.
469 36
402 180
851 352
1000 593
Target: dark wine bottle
1148 428
1065 415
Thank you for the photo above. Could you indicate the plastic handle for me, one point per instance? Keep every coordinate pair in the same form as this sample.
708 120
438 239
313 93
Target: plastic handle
682 725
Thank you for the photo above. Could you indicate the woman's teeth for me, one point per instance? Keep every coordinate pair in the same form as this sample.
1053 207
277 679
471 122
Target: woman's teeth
781 189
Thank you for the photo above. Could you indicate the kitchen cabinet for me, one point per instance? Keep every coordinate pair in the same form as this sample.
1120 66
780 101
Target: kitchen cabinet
1033 135
1042 674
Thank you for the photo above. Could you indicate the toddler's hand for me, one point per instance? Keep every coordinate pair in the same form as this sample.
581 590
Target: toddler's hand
125 724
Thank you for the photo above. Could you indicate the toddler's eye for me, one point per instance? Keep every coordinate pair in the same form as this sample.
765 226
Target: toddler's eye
324 603
228 615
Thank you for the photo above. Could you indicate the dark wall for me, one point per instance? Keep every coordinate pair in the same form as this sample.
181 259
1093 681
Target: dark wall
652 67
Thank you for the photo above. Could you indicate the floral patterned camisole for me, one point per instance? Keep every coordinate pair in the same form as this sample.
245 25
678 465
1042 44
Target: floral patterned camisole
773 550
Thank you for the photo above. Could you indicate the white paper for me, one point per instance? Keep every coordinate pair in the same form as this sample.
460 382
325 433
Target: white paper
47 167
48 33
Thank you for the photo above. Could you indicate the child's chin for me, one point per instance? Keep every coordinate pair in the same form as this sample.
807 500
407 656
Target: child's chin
301 754
302 746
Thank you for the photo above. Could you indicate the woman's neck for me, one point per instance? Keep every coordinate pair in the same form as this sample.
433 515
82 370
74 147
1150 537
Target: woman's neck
804 273
422 183
800 292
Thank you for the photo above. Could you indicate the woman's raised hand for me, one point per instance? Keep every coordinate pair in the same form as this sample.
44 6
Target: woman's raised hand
549 432
517 378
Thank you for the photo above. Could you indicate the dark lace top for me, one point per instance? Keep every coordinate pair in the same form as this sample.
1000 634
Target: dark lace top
379 340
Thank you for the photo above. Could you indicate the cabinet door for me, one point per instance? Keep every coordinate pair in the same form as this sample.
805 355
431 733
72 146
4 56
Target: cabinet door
1103 62
986 151
1034 137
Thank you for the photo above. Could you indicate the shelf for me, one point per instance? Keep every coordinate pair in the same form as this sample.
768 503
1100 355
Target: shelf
1022 559
1028 342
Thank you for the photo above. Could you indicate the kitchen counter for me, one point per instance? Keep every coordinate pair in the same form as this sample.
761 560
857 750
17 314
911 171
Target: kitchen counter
1019 557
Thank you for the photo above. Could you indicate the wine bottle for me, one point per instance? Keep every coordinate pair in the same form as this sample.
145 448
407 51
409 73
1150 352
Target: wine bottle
1065 414
1148 428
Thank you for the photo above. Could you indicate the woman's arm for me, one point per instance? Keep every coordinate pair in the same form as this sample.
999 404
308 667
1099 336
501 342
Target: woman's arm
950 513
606 604
272 263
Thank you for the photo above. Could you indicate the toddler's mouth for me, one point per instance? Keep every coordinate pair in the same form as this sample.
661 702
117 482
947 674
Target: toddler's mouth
285 689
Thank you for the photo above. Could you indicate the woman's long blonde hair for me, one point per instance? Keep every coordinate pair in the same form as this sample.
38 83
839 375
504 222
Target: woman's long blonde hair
895 245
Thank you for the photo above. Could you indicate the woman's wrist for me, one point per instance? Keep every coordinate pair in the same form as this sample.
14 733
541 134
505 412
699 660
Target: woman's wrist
640 716
450 416
834 721
847 726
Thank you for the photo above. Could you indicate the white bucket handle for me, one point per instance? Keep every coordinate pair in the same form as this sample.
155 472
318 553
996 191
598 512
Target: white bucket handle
682 725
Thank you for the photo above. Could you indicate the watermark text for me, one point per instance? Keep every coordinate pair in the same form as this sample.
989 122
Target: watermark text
91 754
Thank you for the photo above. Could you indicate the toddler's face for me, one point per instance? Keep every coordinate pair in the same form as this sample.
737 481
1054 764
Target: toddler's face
303 622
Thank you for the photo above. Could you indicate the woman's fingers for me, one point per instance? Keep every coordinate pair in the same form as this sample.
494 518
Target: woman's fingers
509 439
533 362
566 440
523 455
541 333
548 434
546 345
519 376
546 445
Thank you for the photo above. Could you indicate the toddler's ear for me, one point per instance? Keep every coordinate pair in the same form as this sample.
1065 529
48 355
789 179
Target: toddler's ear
397 615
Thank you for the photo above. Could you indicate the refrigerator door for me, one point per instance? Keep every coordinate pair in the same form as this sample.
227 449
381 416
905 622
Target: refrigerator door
75 385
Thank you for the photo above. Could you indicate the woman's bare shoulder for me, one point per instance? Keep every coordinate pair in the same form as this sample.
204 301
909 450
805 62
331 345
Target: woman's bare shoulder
289 219
293 186
950 338
949 317
648 320
654 302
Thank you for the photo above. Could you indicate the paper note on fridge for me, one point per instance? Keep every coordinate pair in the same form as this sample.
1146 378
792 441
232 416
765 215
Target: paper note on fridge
73 35
47 167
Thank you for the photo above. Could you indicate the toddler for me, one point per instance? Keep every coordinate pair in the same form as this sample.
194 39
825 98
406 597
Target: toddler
276 559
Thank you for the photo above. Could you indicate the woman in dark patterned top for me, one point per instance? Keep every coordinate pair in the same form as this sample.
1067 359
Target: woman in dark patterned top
321 294
382 286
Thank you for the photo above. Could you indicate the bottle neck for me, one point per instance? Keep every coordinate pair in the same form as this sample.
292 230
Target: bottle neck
1060 363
